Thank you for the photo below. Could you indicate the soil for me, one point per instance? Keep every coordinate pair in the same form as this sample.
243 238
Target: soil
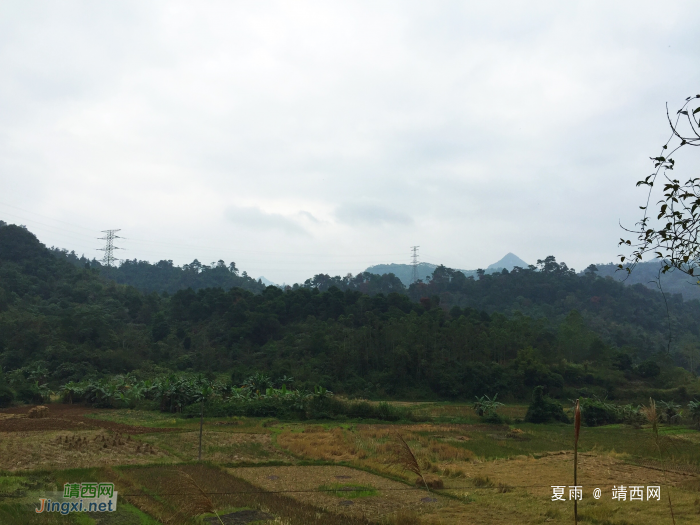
65 417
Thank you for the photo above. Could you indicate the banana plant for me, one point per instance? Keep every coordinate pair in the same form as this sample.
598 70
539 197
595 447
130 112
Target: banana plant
321 392
485 406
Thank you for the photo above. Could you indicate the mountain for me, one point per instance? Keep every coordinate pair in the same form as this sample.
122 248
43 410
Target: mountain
508 262
405 271
647 274
266 282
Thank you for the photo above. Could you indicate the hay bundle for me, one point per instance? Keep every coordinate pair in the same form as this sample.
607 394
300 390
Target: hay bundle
38 412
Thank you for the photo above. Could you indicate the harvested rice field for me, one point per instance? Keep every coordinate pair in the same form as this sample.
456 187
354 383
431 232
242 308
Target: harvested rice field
218 446
306 484
263 471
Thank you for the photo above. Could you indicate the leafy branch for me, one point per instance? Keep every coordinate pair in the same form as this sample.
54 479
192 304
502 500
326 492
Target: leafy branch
673 235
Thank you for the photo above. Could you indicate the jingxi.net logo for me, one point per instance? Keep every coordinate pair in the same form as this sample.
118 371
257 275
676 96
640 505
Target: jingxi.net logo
80 497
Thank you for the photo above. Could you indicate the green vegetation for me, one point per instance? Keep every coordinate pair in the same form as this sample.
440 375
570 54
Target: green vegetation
543 409
257 397
348 490
450 338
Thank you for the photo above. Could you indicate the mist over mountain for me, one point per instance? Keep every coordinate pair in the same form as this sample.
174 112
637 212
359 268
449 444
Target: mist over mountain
266 282
649 274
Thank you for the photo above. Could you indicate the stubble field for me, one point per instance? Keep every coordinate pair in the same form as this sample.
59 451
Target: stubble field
267 471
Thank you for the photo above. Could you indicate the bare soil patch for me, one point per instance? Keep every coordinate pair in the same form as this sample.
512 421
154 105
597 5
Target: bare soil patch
65 417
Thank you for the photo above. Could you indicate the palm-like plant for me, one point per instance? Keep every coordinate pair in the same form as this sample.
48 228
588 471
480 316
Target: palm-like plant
694 412
485 406
258 382
321 392
670 411
71 391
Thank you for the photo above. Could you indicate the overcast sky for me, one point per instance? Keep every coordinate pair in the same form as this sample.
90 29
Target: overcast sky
297 138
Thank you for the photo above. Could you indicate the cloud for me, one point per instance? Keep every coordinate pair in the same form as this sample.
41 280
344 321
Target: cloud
254 218
359 214
309 216
470 129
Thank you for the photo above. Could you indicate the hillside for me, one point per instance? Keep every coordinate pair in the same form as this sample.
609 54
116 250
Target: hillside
425 270
647 274
452 337
164 276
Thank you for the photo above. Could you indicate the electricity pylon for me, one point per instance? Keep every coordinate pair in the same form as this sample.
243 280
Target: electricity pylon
109 248
414 263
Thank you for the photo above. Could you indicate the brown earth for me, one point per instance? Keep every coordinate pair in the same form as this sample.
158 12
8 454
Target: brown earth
65 417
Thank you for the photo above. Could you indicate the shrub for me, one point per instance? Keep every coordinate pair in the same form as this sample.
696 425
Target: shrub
28 394
308 408
631 415
544 409
694 411
649 370
494 419
670 411
596 412
6 396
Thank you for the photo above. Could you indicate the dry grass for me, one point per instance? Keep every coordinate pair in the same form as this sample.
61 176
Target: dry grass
313 442
406 460
226 492
392 496
377 448
218 446
67 449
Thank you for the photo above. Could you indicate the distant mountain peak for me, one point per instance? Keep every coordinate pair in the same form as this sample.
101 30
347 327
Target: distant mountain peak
266 282
508 262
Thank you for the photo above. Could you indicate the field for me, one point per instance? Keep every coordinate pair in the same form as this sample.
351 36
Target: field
260 470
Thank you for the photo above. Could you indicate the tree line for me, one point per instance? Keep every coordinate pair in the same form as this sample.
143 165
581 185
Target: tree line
450 337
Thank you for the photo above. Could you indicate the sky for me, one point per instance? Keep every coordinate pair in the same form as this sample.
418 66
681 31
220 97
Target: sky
297 138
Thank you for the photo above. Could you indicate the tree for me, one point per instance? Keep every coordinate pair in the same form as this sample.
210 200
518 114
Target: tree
673 235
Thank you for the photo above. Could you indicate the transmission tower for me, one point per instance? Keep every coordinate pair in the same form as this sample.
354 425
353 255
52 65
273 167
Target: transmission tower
414 263
109 248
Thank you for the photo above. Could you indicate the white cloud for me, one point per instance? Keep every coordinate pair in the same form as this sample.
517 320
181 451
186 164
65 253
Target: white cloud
469 128
369 214
252 218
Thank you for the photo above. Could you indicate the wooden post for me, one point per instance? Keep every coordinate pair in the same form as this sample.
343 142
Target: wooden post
201 424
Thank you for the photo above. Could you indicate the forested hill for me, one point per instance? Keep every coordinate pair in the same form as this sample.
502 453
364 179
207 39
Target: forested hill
425 270
648 274
445 338
164 276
